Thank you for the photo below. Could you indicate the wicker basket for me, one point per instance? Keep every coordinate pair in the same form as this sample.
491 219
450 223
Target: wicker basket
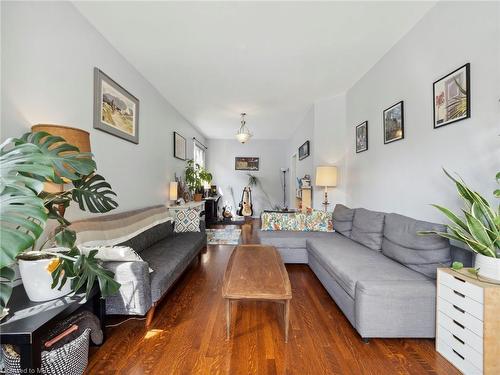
70 359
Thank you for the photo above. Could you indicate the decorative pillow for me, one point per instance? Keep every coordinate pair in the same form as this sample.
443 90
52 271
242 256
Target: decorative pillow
187 221
319 221
113 253
423 254
367 228
342 219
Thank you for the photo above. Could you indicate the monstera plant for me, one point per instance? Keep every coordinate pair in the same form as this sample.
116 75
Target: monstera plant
27 163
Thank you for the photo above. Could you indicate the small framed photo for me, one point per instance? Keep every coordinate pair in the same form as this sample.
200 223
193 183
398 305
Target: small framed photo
362 137
246 163
179 146
394 122
304 150
451 95
116 111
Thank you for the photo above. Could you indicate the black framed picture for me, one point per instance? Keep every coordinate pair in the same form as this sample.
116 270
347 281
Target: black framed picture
451 97
362 137
304 150
246 163
394 123
179 146
116 111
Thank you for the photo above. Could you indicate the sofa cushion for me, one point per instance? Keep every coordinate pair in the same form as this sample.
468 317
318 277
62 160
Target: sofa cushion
367 228
149 237
169 258
349 262
342 219
289 239
423 254
187 221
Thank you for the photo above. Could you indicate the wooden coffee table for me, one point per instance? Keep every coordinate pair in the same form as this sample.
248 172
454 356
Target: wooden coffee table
256 272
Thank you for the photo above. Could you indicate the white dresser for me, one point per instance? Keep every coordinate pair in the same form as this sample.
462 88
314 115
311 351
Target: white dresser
468 322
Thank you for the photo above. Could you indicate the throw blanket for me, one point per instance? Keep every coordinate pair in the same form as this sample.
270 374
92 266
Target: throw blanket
110 230
315 221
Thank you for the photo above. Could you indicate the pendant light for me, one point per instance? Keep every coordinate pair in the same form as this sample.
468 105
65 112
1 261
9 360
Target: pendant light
243 134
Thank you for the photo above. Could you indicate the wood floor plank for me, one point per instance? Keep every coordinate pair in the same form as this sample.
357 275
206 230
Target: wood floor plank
187 335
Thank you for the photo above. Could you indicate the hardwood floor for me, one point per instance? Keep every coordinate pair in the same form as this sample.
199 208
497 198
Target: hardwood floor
187 335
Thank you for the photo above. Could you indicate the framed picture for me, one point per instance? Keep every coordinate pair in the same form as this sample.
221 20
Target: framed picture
179 146
451 96
362 137
304 150
246 163
394 122
116 111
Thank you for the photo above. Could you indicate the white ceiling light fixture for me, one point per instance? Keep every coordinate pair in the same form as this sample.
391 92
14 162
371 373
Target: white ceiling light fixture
243 134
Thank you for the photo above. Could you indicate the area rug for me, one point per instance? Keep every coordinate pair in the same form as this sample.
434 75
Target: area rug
227 236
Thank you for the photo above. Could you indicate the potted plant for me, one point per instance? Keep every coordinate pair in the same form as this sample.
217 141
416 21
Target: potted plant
27 163
479 229
196 177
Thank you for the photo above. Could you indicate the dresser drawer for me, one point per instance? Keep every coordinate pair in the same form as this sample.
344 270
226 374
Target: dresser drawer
464 318
460 331
460 284
461 301
457 359
460 347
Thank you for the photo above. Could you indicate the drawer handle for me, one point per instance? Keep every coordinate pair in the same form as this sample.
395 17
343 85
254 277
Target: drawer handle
459 309
459 294
457 353
458 339
459 279
458 324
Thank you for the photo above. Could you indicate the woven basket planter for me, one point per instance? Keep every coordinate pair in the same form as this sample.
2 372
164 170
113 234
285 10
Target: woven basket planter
70 359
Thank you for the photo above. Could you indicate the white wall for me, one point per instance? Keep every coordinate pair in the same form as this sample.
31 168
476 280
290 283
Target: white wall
405 176
48 54
329 146
220 161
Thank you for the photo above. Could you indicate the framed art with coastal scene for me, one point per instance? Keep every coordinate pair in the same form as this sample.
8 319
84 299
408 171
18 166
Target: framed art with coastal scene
246 163
451 96
179 146
362 137
394 123
116 111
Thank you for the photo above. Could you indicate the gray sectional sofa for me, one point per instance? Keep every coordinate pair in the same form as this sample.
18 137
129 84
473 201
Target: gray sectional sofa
165 255
376 267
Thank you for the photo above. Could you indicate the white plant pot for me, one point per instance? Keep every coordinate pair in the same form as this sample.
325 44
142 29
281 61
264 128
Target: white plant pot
488 267
37 281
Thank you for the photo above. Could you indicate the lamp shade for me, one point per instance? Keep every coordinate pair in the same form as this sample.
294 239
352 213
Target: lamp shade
173 191
76 137
326 176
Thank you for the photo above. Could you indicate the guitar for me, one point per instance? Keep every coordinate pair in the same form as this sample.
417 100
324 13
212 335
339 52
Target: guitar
245 206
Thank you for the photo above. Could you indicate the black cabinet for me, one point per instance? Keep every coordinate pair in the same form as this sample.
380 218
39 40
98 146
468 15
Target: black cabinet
212 209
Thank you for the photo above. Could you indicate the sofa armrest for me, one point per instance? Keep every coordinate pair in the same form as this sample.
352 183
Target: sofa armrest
134 295
405 308
203 225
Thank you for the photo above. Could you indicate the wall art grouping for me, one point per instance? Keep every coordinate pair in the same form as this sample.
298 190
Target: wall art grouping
451 103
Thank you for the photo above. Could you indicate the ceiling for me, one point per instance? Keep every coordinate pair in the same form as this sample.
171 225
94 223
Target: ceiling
213 60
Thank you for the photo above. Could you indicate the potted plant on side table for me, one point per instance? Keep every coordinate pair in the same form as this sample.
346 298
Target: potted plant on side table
479 229
27 163
196 177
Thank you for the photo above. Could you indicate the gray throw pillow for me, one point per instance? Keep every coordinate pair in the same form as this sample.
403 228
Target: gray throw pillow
342 219
367 228
423 254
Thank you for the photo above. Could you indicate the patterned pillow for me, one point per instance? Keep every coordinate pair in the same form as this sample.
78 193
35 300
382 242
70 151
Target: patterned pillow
187 221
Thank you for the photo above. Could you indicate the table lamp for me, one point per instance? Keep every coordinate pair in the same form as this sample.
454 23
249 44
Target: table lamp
73 136
173 191
326 176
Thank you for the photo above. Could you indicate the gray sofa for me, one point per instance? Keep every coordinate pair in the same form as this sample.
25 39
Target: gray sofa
166 255
376 267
